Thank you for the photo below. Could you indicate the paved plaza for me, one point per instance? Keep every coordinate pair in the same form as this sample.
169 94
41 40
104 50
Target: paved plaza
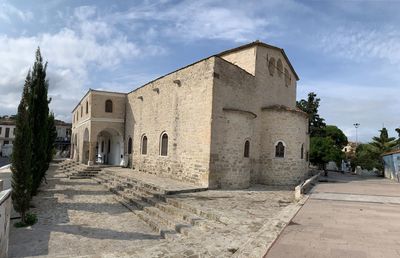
81 218
350 216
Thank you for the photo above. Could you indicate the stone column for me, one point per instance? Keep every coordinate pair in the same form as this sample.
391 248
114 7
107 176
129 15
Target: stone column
92 153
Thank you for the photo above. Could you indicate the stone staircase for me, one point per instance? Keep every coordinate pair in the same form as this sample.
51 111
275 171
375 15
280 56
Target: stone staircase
75 170
157 207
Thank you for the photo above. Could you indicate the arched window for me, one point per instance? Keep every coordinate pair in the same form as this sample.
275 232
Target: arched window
164 145
271 66
144 145
109 106
302 151
280 150
130 145
279 67
287 77
247 149
87 107
81 111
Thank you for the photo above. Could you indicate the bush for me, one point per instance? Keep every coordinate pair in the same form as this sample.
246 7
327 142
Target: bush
30 219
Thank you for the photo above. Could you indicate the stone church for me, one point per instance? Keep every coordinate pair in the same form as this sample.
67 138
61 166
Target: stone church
226 121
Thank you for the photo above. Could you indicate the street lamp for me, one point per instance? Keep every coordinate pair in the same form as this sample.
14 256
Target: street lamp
356 125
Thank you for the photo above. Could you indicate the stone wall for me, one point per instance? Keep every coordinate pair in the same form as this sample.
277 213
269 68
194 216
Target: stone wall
290 127
239 100
178 104
86 127
5 211
232 124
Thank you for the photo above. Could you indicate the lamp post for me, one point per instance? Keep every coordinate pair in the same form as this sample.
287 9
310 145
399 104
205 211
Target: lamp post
356 125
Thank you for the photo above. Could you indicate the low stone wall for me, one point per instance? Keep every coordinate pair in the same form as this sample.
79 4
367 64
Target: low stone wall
5 211
306 186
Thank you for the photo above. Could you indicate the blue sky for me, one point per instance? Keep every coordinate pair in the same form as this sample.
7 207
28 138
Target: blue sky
348 52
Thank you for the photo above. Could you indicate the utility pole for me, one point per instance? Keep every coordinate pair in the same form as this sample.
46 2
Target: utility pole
356 125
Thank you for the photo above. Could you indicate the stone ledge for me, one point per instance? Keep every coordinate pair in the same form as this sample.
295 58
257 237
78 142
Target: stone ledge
306 186
260 243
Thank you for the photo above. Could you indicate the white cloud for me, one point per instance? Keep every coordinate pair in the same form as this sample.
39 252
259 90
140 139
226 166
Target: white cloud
193 20
71 52
8 12
360 44
346 104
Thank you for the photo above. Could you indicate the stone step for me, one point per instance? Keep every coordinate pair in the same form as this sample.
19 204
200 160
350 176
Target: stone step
181 214
164 231
192 209
166 219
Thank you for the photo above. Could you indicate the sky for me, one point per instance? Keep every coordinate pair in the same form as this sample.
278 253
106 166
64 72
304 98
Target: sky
347 52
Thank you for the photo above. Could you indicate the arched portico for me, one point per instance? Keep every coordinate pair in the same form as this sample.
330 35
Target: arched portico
109 148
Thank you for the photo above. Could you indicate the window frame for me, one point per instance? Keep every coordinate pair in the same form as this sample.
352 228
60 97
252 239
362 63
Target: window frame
246 152
143 147
278 152
163 150
108 106
130 143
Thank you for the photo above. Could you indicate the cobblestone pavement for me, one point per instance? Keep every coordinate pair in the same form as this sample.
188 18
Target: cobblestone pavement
79 218
350 217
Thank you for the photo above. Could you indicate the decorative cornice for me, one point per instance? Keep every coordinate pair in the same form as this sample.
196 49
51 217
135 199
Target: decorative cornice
239 111
284 109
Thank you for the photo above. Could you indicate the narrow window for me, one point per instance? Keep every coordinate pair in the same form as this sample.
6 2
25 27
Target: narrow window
109 146
1 128
87 107
7 132
271 66
102 146
164 145
302 151
307 156
280 150
279 67
81 111
247 149
130 145
287 77
109 106
144 145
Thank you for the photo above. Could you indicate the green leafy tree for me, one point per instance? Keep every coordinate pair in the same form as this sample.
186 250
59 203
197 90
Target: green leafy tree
323 150
336 135
310 106
367 157
21 157
38 114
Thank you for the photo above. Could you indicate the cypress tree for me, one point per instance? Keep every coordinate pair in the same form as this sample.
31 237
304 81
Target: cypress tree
52 135
21 157
39 113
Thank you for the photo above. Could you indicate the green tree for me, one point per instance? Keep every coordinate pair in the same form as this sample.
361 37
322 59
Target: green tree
367 157
336 135
398 139
310 106
383 143
52 135
38 114
21 157
323 150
